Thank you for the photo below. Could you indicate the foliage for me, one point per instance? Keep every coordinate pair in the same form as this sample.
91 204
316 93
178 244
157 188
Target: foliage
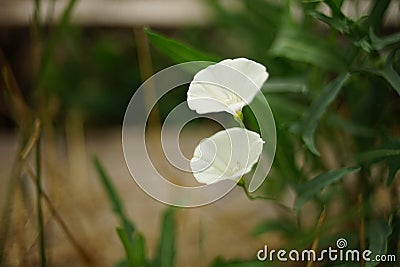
132 240
334 89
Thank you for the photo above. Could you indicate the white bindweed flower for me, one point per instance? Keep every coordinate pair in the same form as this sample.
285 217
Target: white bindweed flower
218 88
228 154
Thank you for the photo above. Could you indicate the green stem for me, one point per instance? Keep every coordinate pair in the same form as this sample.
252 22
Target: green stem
42 245
242 184
239 118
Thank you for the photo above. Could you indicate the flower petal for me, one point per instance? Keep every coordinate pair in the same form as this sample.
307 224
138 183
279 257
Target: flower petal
256 72
217 88
228 154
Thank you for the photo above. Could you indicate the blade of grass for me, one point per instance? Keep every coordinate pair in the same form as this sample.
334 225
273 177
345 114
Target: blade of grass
177 51
48 50
42 241
114 198
128 246
166 246
135 251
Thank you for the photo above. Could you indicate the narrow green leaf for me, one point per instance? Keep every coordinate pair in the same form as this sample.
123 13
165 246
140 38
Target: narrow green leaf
309 121
114 198
132 241
375 18
134 249
177 51
311 188
285 85
49 49
377 234
379 43
128 246
166 247
139 253
377 155
390 74
299 46
340 25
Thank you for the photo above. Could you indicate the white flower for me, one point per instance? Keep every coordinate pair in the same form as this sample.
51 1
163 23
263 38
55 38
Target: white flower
220 88
228 154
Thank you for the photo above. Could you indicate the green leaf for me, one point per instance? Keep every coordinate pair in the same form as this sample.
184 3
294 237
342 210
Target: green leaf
166 247
377 233
390 74
379 43
285 85
309 121
340 25
377 13
139 252
377 155
126 243
297 45
53 41
177 51
134 249
311 188
114 198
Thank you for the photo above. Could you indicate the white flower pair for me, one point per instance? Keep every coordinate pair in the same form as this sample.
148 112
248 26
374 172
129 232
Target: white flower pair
224 86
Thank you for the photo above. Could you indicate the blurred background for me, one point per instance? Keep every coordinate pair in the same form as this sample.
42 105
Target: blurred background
69 69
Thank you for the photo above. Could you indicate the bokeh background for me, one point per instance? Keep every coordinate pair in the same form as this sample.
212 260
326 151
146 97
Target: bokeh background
69 69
